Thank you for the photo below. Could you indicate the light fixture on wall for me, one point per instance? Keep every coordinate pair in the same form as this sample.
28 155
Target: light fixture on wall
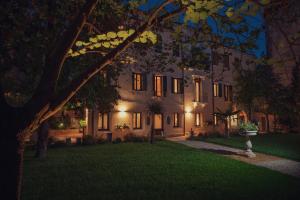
122 111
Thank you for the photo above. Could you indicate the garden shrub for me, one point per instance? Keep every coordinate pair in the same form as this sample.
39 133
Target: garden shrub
117 141
134 138
89 140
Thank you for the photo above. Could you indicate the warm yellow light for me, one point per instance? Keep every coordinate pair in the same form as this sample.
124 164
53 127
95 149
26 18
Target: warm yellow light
188 109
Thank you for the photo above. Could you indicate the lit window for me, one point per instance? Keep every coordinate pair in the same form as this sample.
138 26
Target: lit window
158 121
198 119
176 119
215 119
137 120
198 90
103 121
177 85
216 89
138 82
227 92
158 86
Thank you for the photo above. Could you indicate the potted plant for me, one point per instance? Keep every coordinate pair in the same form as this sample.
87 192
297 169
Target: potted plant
248 128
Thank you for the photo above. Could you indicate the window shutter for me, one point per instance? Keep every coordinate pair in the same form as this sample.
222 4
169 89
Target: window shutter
153 84
220 90
165 85
132 78
145 82
172 85
181 86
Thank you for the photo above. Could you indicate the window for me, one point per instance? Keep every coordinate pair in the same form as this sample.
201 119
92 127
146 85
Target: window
175 49
103 121
177 86
215 119
137 120
158 121
176 120
139 81
227 92
158 86
215 58
198 90
159 45
226 62
217 89
198 119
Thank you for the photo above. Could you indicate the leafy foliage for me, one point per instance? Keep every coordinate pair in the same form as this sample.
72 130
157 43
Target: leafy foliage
247 126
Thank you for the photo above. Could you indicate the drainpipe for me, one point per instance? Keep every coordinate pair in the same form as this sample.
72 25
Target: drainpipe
212 86
183 100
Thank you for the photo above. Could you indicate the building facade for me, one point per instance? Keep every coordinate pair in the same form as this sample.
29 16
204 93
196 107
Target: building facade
178 100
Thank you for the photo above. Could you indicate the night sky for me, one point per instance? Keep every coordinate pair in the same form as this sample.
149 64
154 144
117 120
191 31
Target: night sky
253 21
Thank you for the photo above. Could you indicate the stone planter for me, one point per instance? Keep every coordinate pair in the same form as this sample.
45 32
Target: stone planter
248 152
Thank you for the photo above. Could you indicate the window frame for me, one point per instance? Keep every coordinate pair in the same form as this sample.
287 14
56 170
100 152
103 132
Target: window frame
102 121
135 120
176 121
177 83
198 118
198 93
156 77
135 81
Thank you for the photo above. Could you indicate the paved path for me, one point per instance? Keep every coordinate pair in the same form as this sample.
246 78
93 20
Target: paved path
275 163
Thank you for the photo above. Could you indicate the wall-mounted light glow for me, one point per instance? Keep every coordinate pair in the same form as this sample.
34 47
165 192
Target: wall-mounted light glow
122 110
188 109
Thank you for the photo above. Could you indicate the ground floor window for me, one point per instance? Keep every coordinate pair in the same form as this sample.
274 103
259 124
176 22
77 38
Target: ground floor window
137 120
158 121
198 119
103 121
176 120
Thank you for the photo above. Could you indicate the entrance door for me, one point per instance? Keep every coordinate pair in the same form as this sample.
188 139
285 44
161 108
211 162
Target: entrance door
158 122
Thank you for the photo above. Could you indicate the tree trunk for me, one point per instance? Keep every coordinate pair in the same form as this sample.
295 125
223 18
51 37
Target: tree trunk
42 143
268 123
226 128
12 150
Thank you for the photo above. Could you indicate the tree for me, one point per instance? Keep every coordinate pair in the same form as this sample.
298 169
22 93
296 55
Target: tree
47 31
225 117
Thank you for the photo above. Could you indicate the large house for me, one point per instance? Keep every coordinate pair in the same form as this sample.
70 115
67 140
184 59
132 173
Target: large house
172 102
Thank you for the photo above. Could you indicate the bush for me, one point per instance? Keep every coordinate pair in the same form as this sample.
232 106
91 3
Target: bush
89 140
117 141
134 138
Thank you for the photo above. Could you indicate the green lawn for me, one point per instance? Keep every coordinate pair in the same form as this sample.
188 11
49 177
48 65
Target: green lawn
164 170
284 145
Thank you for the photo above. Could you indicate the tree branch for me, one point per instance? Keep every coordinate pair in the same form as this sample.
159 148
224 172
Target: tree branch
63 97
56 58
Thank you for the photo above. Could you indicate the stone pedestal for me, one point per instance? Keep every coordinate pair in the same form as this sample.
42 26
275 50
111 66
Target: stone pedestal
249 151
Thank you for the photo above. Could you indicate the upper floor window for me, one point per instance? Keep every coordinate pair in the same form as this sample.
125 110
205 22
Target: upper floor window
137 120
198 119
103 121
176 119
176 49
198 90
177 85
159 85
226 62
215 57
228 93
217 89
159 45
139 81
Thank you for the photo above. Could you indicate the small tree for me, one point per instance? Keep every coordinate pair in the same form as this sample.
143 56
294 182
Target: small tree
224 116
154 107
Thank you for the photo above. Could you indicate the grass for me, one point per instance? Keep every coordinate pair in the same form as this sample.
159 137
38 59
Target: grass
283 145
164 170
